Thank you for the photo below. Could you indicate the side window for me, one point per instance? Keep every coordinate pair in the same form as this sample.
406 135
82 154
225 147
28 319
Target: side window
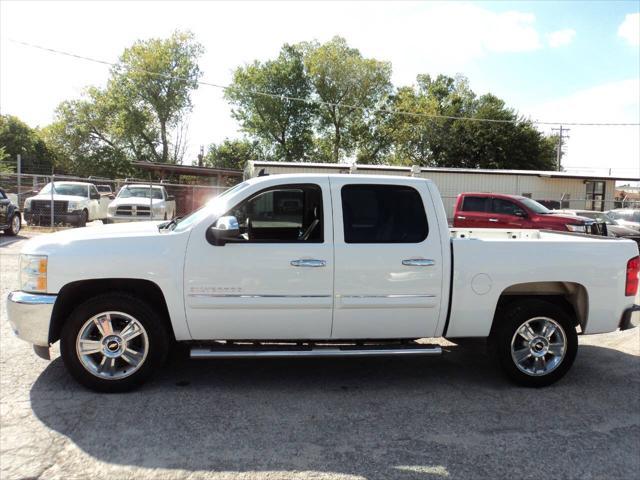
505 207
283 214
475 204
383 214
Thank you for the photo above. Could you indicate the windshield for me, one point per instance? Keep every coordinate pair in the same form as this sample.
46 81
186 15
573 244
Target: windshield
66 189
534 206
626 215
140 192
207 209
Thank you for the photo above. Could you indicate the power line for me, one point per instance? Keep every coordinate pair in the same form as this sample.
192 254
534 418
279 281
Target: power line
321 102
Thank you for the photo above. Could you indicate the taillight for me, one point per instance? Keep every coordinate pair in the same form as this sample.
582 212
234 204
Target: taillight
633 268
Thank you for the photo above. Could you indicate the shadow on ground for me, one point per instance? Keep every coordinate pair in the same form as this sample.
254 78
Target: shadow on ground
377 418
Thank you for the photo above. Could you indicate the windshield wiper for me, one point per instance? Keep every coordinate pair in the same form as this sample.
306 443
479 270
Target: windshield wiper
173 222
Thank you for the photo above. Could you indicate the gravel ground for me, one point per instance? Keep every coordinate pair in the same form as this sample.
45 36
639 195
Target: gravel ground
446 417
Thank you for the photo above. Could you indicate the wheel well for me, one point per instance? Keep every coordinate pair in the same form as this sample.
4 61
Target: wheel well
72 294
571 297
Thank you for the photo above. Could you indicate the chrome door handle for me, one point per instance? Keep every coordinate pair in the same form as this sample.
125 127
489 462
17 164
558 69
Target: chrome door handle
461 218
493 219
418 262
308 262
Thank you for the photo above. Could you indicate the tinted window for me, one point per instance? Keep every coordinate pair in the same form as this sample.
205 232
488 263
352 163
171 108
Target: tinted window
284 214
2 195
505 207
383 214
475 204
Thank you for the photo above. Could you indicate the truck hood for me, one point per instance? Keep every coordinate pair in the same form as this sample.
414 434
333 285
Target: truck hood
96 235
135 201
559 218
68 198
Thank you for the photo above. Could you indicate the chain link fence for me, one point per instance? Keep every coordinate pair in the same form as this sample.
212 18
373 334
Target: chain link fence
51 212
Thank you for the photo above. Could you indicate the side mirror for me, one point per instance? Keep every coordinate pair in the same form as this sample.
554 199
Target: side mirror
95 196
225 229
171 197
520 213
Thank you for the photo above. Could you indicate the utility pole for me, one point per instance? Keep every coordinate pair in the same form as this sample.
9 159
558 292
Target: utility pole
19 171
561 136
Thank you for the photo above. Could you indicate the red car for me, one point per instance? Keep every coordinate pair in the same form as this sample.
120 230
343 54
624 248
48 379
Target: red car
493 210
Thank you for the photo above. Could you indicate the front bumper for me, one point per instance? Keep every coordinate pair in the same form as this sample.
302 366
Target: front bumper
627 321
45 218
30 316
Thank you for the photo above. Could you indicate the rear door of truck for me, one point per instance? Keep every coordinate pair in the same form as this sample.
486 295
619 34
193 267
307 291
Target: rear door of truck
388 259
473 212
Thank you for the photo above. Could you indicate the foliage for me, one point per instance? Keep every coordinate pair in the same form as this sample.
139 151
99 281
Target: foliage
282 125
16 137
139 116
349 88
232 154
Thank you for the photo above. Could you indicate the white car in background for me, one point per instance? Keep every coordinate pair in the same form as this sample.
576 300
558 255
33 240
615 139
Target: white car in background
74 203
141 202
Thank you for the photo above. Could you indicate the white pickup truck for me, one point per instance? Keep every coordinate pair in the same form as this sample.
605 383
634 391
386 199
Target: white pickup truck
141 202
317 265
75 203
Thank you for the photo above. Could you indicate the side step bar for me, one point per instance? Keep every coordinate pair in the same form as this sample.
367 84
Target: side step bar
316 352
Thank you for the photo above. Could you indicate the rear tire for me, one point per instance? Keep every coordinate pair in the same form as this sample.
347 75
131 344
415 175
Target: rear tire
535 342
14 225
113 342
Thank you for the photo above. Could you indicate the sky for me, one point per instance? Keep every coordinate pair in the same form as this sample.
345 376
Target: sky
551 61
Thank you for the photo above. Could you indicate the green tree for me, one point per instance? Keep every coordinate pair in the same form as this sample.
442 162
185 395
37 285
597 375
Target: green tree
426 137
349 87
281 124
16 137
232 154
139 115
153 81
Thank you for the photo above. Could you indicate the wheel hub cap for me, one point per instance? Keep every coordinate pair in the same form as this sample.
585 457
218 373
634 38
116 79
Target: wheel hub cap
112 345
538 346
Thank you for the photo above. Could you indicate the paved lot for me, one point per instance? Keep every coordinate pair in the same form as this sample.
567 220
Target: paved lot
448 417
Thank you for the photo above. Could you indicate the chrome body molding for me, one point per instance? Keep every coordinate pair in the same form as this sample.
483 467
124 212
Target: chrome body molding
419 295
30 315
243 295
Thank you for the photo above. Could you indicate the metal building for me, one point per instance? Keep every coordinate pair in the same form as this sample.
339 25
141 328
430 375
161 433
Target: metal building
553 189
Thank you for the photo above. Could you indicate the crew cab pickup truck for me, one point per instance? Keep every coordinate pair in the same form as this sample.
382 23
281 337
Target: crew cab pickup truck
317 265
141 202
494 210
75 203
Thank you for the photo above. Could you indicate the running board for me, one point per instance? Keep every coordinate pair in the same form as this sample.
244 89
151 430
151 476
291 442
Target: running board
315 352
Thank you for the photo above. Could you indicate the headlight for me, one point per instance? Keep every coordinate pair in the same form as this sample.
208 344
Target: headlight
158 210
111 209
33 273
576 228
74 206
27 203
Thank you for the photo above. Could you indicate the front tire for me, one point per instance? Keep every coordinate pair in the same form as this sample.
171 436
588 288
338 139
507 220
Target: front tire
113 342
535 342
14 225
84 217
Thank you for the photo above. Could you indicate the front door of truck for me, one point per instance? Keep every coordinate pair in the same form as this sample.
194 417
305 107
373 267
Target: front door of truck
388 260
275 281
507 214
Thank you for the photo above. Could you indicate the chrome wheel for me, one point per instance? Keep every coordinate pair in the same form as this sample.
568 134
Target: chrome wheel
112 345
538 346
